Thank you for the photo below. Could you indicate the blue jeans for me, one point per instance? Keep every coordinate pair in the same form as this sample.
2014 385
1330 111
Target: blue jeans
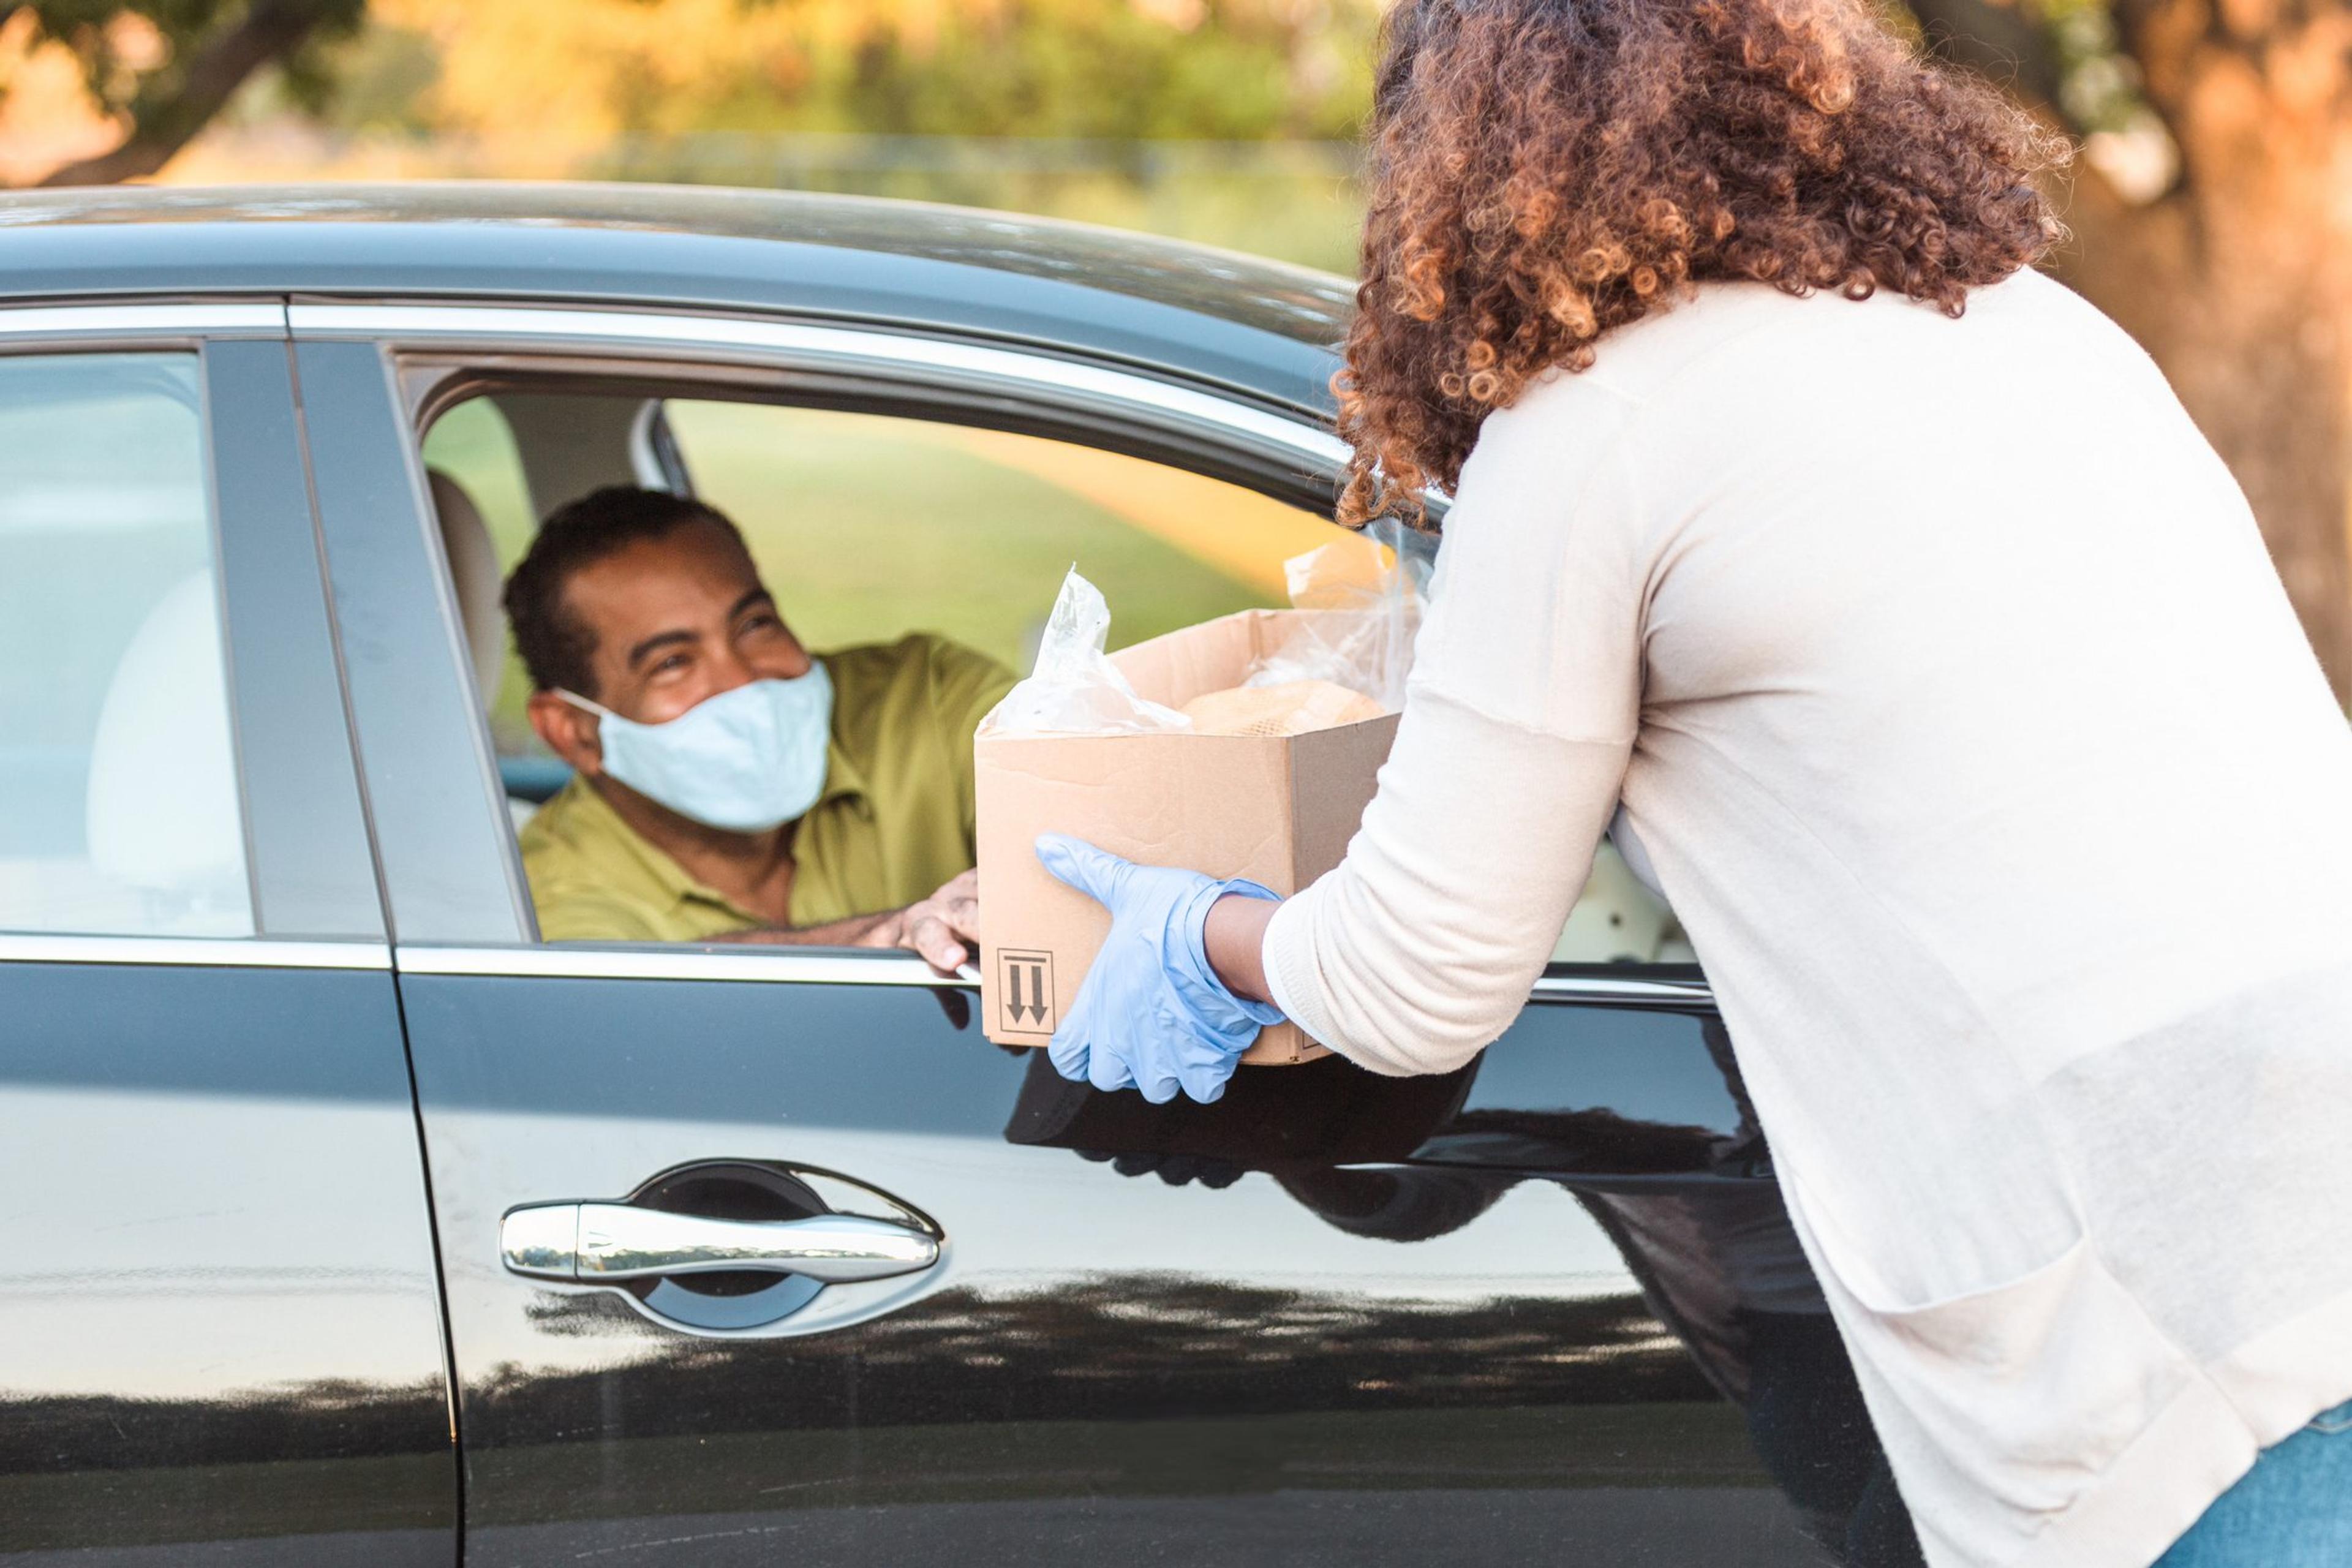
2292 1510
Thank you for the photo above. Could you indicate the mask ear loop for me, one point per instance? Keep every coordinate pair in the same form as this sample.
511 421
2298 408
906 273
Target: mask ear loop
579 701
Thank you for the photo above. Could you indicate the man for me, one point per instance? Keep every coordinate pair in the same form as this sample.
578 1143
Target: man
729 786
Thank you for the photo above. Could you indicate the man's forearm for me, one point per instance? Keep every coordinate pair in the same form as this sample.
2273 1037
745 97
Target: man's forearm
937 928
857 931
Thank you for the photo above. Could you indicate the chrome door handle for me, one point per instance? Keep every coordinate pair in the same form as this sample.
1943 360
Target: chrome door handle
593 1243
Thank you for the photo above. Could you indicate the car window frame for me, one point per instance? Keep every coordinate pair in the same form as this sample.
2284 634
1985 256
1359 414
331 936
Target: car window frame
439 353
308 872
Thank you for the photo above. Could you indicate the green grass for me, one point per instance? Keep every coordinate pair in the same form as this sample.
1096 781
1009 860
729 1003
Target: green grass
868 528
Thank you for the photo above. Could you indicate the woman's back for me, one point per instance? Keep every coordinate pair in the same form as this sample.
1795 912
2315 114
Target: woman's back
1975 605
1949 689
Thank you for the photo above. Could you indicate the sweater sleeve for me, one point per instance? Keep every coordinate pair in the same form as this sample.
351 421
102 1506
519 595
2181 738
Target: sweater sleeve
1420 947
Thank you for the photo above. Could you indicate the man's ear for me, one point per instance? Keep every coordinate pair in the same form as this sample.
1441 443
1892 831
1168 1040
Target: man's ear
568 730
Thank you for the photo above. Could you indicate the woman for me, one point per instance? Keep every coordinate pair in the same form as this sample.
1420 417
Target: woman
1939 668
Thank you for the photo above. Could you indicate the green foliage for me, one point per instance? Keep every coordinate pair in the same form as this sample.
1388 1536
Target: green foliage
380 79
1087 68
90 29
2098 84
129 67
1094 69
1223 120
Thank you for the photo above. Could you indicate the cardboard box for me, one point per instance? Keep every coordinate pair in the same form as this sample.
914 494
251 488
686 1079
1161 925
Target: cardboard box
1277 809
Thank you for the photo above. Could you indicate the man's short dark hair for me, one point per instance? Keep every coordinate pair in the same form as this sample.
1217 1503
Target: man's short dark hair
556 649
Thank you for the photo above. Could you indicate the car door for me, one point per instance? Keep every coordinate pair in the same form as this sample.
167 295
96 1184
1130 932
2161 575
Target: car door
990 1316
220 1297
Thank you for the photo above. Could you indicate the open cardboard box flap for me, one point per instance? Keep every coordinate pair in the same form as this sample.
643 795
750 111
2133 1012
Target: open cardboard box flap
1277 809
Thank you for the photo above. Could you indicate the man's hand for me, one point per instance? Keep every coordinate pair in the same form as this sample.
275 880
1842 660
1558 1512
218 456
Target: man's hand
937 929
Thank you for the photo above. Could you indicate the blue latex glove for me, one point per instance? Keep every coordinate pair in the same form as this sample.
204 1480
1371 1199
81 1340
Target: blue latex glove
1151 1014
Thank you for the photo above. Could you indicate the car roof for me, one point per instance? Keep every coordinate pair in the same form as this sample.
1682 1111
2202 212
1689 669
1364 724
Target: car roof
1245 323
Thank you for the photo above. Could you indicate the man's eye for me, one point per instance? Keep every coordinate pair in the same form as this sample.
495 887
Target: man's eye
668 663
763 622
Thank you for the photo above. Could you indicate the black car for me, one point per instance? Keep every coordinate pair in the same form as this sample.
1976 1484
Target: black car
346 1222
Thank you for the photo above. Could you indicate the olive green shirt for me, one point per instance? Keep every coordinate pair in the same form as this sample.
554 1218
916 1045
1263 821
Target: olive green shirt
894 820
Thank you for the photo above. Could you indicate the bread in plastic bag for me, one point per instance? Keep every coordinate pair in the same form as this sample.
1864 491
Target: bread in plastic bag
1363 598
1074 688
1292 708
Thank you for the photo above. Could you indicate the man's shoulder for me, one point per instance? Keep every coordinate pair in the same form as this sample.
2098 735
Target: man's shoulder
577 826
552 827
918 659
577 843
593 879
909 652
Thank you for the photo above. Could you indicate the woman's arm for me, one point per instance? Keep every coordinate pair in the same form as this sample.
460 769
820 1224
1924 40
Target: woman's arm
1421 945
1234 936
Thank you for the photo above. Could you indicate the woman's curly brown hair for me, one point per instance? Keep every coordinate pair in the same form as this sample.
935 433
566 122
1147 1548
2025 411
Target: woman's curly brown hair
1544 171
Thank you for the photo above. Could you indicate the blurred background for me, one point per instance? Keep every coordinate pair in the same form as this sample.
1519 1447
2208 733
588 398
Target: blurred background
1226 120
2209 207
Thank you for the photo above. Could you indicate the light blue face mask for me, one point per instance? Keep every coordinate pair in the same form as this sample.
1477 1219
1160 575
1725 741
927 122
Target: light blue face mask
746 760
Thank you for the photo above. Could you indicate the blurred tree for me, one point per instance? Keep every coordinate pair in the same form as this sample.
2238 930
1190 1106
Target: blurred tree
2212 218
1228 69
1117 70
163 69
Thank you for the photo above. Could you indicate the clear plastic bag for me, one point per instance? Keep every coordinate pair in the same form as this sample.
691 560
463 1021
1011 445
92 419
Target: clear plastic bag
1076 690
1365 598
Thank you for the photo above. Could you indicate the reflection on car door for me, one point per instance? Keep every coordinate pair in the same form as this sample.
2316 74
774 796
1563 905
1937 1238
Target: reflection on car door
764 1255
220 1290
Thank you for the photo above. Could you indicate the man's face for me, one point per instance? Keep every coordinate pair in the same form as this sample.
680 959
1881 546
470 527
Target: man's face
676 619
679 619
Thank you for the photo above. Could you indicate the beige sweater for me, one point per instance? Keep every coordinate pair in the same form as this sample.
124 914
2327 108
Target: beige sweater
1943 675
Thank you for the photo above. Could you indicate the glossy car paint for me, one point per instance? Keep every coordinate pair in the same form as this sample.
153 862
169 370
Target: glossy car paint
221 1297
1254 327
1333 1319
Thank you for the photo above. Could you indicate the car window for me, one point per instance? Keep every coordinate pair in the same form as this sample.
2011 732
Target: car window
1618 919
116 757
472 447
870 526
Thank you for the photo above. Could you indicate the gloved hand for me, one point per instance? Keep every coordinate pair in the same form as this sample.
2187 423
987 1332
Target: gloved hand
1151 1014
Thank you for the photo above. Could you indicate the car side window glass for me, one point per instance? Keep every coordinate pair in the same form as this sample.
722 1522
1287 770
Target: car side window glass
117 758
471 460
1618 919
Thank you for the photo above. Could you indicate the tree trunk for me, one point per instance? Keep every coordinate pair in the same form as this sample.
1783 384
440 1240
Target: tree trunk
2240 281
163 122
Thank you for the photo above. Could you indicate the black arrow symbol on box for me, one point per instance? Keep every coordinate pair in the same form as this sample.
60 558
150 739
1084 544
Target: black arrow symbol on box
1013 985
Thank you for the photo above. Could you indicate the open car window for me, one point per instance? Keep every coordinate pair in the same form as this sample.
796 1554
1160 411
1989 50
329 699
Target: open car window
869 526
